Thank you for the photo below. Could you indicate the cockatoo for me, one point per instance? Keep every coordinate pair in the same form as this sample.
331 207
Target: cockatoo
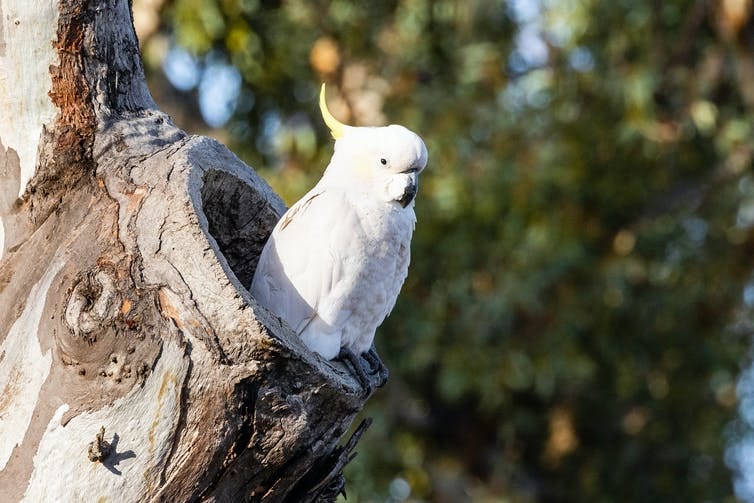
336 260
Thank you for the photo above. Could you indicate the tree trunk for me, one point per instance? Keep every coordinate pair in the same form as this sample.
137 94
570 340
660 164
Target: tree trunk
134 365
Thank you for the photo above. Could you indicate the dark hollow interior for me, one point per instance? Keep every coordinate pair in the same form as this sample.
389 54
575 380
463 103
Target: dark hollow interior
240 220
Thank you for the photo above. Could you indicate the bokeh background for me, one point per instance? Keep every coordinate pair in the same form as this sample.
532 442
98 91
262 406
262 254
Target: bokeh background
576 322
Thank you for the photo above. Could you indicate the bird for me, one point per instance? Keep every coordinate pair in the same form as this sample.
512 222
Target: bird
335 262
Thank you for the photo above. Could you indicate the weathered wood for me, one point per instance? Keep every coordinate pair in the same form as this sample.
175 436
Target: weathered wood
123 304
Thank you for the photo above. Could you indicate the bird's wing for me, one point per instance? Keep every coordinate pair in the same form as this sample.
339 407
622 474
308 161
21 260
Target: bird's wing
300 271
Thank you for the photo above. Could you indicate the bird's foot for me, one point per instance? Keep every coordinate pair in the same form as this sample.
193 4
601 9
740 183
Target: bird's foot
376 367
353 361
373 376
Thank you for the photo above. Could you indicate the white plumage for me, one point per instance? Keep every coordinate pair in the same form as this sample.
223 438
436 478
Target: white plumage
336 261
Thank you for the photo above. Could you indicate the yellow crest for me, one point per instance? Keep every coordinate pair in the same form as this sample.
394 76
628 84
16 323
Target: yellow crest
336 128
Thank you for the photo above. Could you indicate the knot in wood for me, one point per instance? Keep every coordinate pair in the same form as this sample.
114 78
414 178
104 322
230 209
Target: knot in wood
94 302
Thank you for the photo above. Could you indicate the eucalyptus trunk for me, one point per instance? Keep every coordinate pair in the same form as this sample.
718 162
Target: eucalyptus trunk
134 364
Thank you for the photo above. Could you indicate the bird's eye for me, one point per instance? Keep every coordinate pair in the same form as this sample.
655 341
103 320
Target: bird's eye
383 161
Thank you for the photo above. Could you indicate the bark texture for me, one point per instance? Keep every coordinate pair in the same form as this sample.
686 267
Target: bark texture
134 365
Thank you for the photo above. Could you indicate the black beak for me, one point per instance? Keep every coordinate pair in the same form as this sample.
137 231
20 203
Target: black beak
408 194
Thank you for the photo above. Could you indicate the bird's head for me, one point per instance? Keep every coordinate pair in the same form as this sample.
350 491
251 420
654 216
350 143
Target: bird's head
382 161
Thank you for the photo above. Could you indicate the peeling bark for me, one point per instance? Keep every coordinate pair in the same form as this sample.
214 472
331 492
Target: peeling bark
134 364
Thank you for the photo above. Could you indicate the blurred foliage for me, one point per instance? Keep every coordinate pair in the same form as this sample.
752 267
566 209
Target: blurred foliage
572 326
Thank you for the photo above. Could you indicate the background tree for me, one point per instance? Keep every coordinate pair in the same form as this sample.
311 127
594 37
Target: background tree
573 324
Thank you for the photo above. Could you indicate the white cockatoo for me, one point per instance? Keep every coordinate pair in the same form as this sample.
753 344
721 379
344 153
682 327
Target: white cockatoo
336 261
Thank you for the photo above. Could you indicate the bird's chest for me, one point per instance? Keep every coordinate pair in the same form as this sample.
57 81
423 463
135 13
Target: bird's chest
378 237
371 268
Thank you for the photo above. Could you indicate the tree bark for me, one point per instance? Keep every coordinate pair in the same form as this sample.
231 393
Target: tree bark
134 364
